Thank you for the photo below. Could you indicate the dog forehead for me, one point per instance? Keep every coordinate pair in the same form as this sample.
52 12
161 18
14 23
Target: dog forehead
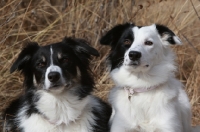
42 51
145 32
60 47
45 51
55 50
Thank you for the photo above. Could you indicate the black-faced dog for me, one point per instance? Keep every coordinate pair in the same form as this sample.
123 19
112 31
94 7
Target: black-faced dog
146 97
58 86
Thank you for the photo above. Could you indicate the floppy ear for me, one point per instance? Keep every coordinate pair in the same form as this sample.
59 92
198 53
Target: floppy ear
24 57
109 36
167 36
114 34
81 46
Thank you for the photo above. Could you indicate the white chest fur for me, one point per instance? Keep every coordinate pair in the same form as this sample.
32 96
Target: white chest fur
61 113
142 111
161 109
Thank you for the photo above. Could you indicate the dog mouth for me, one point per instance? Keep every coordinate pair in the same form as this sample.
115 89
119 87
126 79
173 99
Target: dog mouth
58 86
137 63
55 87
134 63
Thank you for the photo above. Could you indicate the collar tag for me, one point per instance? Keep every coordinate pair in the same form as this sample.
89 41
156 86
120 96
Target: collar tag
129 90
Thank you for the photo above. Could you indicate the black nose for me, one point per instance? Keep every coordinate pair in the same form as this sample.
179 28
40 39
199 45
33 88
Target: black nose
54 76
134 55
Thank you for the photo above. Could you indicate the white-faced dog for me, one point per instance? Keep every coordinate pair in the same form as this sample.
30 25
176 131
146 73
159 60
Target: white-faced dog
147 97
58 85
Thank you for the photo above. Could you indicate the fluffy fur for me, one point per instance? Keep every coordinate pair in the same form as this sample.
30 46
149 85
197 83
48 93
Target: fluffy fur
141 59
58 86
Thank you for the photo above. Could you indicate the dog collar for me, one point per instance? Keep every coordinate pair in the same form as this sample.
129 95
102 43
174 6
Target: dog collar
131 91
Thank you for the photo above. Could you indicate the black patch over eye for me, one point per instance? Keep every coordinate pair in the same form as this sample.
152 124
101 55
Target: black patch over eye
148 43
127 42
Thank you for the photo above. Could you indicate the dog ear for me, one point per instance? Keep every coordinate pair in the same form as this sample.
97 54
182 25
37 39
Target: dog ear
24 57
114 34
81 46
167 36
109 36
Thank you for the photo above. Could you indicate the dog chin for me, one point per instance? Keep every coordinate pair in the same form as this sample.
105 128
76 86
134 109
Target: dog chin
57 88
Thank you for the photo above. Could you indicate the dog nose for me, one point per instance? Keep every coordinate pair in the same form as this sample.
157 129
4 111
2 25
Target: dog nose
134 55
54 76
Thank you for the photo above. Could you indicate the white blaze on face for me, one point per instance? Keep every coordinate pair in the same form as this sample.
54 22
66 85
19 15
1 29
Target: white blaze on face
51 68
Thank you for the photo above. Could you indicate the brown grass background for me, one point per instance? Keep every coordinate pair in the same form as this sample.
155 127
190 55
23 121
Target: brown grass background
48 21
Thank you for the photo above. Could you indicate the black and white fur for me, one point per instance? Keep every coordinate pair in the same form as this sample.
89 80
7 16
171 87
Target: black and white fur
141 58
58 86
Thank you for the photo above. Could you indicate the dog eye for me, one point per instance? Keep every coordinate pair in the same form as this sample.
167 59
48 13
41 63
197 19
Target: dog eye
65 60
148 43
41 64
127 42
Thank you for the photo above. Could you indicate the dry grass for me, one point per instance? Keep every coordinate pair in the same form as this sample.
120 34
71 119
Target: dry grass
48 21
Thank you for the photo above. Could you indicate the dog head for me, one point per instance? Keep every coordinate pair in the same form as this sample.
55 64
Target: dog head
56 67
120 39
150 47
137 48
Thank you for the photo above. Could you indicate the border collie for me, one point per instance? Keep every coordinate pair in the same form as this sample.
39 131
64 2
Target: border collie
58 85
147 97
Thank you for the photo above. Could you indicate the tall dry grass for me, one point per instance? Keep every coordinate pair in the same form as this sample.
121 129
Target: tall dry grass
48 21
